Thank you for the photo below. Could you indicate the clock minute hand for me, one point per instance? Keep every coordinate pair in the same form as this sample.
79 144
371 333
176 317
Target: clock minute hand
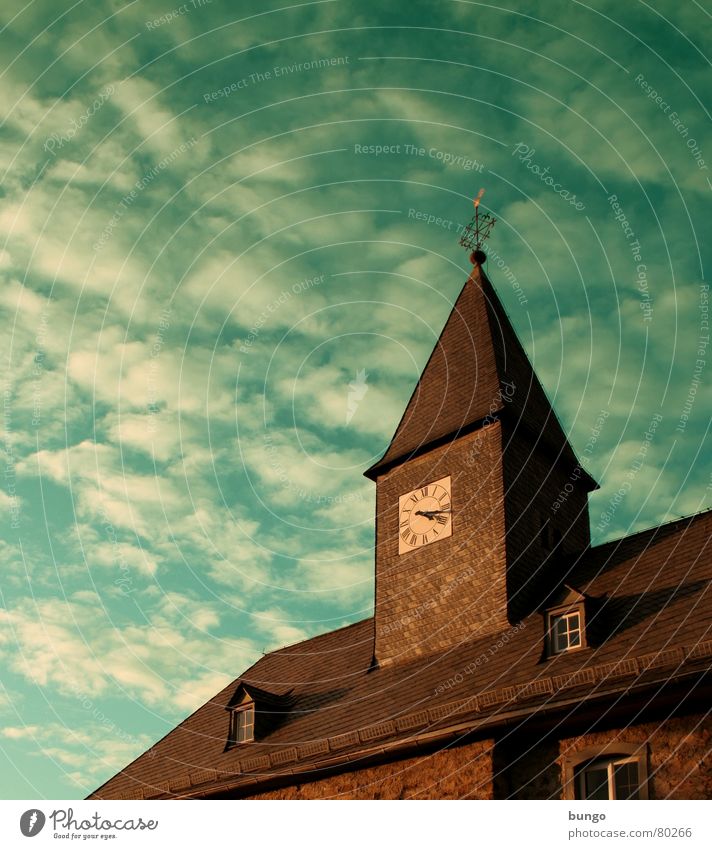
429 514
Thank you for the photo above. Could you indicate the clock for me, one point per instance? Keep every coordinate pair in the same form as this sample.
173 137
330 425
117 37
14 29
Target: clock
424 515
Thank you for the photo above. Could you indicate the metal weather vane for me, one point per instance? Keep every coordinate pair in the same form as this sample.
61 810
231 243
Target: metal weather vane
477 232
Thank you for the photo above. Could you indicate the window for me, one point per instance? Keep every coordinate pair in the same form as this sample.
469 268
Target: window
242 725
609 778
566 631
613 771
252 712
565 621
566 627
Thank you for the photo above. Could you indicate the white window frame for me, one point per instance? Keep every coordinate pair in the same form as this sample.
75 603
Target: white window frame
610 764
242 725
553 616
570 632
575 764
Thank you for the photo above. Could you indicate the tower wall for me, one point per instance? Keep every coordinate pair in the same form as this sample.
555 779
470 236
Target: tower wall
546 512
454 589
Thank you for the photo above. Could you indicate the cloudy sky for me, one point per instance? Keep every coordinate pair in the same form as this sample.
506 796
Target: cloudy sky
228 242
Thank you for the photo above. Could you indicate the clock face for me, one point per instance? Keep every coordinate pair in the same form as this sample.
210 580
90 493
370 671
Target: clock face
424 515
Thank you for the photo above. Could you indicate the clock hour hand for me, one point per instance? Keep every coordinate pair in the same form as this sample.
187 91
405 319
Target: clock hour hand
430 514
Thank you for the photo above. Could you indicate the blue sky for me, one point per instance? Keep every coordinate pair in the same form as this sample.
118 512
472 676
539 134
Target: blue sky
228 243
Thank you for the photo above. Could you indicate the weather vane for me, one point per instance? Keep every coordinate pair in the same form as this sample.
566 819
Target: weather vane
477 232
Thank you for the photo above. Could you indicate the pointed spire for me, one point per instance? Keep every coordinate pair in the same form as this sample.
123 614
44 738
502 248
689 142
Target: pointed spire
477 371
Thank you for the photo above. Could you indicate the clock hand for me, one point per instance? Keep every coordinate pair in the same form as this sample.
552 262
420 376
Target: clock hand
429 514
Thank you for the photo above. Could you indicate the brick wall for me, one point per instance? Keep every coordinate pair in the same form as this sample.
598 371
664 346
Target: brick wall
679 759
474 583
453 589
464 772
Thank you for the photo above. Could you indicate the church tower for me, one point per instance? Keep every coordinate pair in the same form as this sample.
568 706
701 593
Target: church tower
468 541
481 531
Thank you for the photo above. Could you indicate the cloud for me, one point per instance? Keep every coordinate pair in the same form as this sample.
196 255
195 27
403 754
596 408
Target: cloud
125 559
279 627
152 433
153 122
300 466
74 648
83 756
227 544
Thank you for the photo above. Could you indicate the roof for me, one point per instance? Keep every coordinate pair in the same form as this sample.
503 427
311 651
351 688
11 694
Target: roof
651 615
477 369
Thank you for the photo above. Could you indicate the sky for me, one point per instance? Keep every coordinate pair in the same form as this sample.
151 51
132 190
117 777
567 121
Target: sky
228 243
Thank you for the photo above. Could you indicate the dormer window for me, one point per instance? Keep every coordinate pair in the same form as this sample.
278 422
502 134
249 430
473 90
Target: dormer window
242 725
566 623
242 719
254 713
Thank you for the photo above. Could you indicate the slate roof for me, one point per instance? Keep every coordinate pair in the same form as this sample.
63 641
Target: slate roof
469 376
650 620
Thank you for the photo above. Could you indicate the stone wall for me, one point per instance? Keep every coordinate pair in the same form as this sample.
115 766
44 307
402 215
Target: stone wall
678 751
679 754
453 589
679 759
462 772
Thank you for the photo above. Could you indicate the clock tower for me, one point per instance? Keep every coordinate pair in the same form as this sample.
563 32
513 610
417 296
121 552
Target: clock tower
468 540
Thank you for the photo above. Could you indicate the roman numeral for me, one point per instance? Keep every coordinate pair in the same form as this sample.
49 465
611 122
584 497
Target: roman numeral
413 540
424 492
404 524
441 520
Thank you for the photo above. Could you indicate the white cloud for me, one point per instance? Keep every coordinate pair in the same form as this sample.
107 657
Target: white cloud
81 461
351 578
106 491
300 467
275 624
123 557
144 110
100 747
321 397
155 433
73 647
